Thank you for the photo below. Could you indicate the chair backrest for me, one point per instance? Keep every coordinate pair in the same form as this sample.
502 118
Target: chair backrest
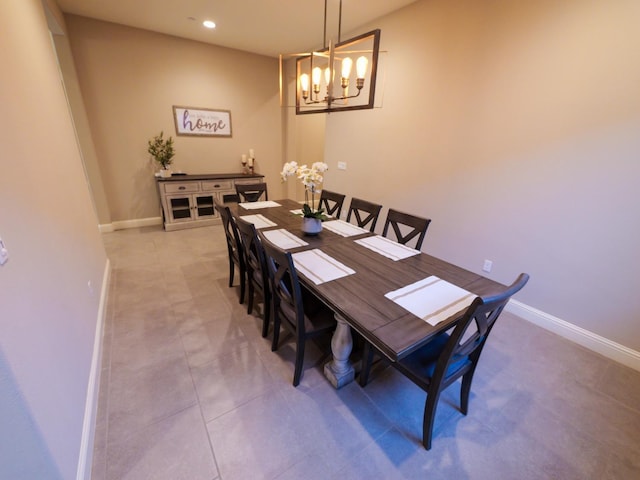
365 213
332 202
253 253
466 344
406 227
234 243
252 192
285 286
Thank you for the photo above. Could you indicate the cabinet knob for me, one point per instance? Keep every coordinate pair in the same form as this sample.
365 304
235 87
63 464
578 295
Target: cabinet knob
216 186
182 188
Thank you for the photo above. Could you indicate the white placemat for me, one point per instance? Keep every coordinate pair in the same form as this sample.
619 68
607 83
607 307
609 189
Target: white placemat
284 239
343 228
387 247
319 267
259 221
257 205
432 299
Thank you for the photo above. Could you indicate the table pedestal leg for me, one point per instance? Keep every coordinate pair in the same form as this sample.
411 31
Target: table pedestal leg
339 371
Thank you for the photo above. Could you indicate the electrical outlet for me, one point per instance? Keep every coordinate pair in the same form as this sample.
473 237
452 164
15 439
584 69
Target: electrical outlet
488 264
342 165
4 253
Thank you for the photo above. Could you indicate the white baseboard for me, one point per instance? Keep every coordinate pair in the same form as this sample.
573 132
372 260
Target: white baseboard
587 339
85 459
124 224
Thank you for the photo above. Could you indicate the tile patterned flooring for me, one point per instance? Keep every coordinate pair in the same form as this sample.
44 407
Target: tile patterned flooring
190 390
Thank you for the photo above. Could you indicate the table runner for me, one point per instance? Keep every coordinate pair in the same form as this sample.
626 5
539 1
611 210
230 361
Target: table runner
387 247
343 228
259 221
284 239
257 205
319 267
432 299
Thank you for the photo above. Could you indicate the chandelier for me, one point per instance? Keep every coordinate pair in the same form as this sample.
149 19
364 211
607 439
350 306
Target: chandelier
326 80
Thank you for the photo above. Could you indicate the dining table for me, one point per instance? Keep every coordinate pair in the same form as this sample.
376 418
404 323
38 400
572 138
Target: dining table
395 297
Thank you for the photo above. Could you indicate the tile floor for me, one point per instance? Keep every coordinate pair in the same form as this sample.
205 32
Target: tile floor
190 390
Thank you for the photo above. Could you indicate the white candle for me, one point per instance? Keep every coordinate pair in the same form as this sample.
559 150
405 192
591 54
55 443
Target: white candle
251 161
251 153
244 158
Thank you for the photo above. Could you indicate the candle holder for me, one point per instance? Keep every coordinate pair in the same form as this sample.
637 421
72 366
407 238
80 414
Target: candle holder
244 167
250 162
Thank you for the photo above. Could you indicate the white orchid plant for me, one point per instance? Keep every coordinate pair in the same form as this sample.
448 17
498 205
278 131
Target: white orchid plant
311 178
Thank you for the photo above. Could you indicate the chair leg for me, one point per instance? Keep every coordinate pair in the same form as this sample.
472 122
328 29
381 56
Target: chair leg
367 360
276 333
242 284
250 294
267 314
299 363
465 390
431 403
232 271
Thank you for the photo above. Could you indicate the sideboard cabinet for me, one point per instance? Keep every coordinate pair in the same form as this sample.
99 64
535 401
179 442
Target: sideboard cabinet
187 200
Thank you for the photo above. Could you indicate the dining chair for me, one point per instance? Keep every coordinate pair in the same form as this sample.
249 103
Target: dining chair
252 192
406 227
234 246
294 308
257 275
331 202
451 354
364 212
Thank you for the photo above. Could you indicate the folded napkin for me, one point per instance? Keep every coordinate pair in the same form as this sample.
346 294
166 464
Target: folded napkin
319 267
298 211
259 221
387 247
257 205
284 239
343 228
432 299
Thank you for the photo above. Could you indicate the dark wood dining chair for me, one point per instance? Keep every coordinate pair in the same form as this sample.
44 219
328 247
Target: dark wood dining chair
405 227
234 247
252 192
365 213
332 203
257 275
452 354
297 311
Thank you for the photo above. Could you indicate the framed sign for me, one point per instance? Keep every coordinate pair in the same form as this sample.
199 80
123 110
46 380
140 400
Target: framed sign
202 122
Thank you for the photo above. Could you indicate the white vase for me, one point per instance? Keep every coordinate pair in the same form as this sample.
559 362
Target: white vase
311 226
164 173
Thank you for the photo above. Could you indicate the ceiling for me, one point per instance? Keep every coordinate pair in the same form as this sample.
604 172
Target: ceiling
266 27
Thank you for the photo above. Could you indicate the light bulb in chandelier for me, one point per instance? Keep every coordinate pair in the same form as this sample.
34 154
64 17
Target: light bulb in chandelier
304 85
361 71
316 74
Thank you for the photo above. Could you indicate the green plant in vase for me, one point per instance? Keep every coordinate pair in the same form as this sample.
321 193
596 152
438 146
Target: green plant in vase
162 151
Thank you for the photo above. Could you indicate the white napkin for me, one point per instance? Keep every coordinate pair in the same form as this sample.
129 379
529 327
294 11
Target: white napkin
259 221
387 247
298 211
257 205
343 228
284 239
319 267
432 299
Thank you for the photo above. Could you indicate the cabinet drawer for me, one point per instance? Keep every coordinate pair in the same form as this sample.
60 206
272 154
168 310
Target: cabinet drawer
248 181
185 187
214 185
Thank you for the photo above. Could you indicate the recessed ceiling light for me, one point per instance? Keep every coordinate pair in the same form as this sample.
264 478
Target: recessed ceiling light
209 24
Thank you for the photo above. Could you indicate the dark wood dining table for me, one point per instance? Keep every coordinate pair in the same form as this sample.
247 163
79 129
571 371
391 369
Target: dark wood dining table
358 300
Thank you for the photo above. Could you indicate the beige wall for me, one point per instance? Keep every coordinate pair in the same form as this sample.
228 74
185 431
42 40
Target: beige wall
48 316
515 126
131 78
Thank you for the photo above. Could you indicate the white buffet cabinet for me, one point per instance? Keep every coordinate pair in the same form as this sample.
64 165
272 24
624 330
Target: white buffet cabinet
187 200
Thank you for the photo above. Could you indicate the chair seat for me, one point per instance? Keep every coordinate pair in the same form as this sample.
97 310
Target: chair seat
424 360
